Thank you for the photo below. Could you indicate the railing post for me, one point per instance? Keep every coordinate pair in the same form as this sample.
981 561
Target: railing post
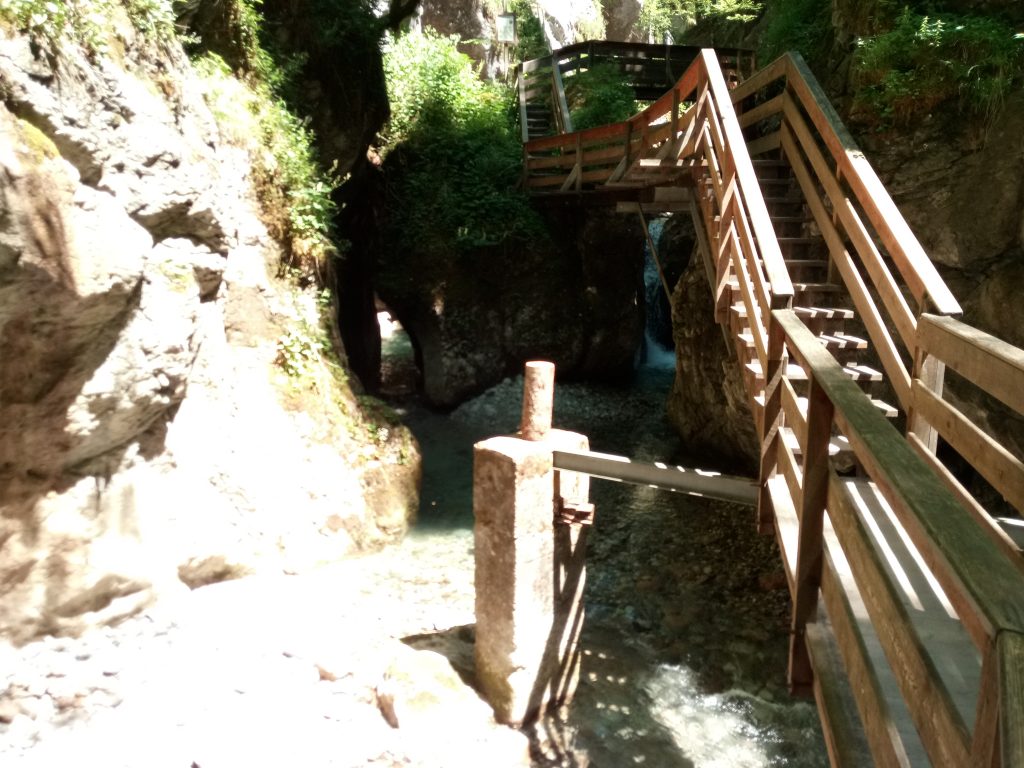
810 546
529 540
932 372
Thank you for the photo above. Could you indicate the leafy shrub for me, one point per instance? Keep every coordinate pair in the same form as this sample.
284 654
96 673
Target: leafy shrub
452 155
531 43
925 60
294 190
797 25
659 16
86 21
598 96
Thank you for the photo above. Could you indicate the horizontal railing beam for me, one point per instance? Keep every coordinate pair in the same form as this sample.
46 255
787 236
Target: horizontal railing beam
696 482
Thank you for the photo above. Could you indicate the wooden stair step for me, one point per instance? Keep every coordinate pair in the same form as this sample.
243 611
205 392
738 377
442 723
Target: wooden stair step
823 313
798 240
842 341
856 371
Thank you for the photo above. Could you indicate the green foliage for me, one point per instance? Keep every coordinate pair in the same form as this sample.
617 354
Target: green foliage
294 190
925 60
452 155
531 43
599 96
797 25
660 16
86 21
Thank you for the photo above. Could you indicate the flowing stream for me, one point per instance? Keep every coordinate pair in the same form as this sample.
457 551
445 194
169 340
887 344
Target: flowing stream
686 634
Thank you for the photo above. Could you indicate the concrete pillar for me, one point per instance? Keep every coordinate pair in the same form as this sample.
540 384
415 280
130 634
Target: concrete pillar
530 544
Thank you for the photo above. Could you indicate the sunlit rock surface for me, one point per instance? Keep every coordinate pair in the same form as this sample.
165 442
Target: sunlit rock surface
143 442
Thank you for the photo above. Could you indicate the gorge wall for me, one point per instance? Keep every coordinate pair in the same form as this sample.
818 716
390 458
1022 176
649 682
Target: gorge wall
149 436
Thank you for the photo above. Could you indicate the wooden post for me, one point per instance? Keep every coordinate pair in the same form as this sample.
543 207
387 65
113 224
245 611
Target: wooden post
810 545
529 540
932 372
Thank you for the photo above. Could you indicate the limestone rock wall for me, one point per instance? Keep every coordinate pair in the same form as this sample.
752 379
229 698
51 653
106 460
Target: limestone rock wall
143 439
575 300
707 404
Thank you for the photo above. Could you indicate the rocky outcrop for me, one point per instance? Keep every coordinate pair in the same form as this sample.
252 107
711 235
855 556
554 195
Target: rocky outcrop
145 431
708 402
575 300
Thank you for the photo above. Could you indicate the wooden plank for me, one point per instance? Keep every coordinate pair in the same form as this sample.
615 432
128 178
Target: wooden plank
761 223
1001 539
1010 647
796 421
877 270
761 111
899 378
791 473
770 424
739 264
994 462
932 373
988 362
843 606
844 735
760 79
762 289
786 524
523 120
938 721
985 740
983 586
921 275
766 143
810 547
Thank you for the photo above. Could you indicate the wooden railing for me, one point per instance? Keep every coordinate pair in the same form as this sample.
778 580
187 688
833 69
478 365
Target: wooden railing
961 675
908 596
871 247
649 70
668 143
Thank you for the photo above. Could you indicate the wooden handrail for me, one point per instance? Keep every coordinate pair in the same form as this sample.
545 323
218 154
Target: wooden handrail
983 583
852 166
659 137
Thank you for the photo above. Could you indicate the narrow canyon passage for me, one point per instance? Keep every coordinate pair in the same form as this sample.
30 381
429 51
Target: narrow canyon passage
687 611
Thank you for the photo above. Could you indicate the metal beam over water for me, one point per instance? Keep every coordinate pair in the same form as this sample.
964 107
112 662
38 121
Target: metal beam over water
695 482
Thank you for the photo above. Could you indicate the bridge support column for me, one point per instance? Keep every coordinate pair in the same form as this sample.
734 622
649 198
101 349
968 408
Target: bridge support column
530 543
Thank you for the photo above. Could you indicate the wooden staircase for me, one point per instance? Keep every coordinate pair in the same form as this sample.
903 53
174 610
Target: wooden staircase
908 594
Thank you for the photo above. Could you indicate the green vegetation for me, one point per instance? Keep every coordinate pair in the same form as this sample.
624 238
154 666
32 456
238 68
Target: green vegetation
925 60
453 156
86 21
798 25
598 96
660 16
531 43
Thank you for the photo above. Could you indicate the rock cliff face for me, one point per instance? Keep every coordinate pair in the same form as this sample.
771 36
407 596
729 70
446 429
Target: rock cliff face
145 433
707 404
575 300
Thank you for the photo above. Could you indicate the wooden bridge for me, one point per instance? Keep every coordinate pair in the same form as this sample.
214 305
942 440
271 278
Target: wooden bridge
907 592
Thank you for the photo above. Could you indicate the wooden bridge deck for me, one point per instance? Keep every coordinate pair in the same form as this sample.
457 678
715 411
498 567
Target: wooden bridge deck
908 592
